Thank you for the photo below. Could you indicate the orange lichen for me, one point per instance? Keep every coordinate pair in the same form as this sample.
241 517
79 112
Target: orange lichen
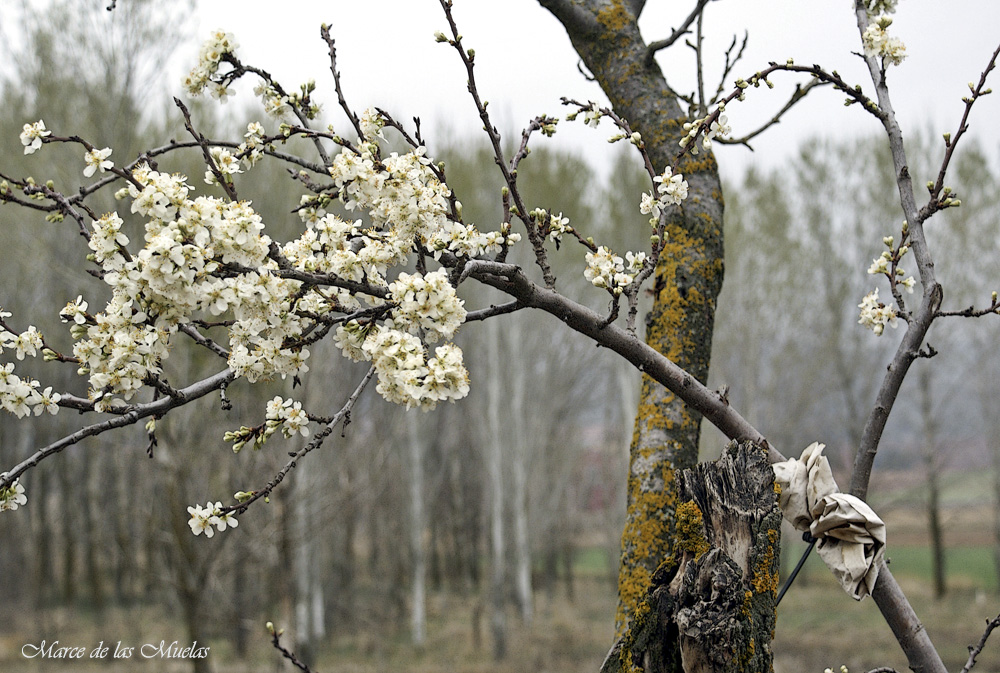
615 17
691 529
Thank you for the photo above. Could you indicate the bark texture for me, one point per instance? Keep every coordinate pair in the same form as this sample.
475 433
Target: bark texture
688 279
710 606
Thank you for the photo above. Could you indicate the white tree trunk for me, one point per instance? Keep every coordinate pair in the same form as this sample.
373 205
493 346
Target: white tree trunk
522 546
309 612
495 468
417 525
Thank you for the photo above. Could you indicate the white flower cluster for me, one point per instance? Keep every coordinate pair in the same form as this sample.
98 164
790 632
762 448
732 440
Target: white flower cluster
875 315
203 518
18 396
671 189
97 159
287 415
12 496
276 106
427 305
405 201
882 265
252 147
717 129
557 224
212 50
32 134
226 162
878 43
608 270
876 7
405 376
173 276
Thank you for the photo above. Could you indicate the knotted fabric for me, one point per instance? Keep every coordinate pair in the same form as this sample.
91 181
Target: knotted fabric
851 535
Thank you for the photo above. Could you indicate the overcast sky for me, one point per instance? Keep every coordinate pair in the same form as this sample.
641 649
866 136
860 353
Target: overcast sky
388 57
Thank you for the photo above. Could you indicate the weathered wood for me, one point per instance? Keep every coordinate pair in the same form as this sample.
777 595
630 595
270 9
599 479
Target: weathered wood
710 606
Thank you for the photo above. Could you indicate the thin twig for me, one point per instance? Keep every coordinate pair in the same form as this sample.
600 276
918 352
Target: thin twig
678 33
312 445
974 650
286 653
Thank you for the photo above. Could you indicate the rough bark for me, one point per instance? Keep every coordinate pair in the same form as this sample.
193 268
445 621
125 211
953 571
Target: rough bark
688 279
710 606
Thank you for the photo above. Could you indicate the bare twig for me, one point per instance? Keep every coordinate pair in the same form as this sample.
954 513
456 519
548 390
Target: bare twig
951 141
285 652
312 445
324 31
678 33
509 173
797 95
202 141
974 650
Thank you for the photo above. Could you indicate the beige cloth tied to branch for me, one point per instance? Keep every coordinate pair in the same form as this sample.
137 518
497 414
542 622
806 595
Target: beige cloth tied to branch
851 535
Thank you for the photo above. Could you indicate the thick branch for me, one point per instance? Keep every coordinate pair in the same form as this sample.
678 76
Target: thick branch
644 357
133 415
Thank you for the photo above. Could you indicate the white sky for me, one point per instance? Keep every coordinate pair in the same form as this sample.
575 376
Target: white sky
388 57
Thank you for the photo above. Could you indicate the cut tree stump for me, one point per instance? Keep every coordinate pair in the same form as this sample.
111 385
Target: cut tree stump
710 605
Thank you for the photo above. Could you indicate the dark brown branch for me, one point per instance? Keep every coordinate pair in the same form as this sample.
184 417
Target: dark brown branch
731 62
678 33
324 32
202 340
202 141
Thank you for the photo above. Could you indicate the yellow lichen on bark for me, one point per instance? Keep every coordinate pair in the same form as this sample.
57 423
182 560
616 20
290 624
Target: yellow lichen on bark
615 17
646 536
691 529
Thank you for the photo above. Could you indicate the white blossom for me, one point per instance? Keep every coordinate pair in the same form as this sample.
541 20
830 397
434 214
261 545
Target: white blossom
879 44
204 518
12 497
875 315
32 134
97 159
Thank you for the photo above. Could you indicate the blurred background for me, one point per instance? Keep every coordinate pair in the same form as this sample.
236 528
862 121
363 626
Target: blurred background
380 551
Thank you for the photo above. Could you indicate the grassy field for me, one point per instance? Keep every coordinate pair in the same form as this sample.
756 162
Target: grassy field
818 625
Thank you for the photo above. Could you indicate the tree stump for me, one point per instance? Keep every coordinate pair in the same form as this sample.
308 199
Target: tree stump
710 605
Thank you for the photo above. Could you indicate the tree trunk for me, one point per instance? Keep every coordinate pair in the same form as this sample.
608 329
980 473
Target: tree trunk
932 463
419 616
522 546
606 35
710 606
497 600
